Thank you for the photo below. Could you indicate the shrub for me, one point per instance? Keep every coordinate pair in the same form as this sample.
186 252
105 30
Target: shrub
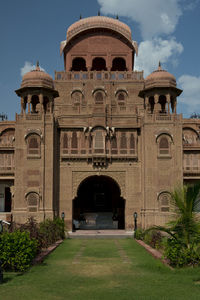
179 255
50 231
139 234
17 250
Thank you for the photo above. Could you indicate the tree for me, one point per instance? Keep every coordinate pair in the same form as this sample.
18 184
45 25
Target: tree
183 243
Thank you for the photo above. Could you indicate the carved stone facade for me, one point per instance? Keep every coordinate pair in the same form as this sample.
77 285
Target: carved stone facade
99 141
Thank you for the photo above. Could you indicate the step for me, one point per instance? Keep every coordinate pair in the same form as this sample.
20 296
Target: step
100 234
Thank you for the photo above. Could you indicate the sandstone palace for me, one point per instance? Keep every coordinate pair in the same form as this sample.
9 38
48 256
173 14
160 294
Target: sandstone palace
100 141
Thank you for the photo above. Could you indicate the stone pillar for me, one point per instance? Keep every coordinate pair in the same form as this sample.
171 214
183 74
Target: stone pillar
168 103
175 104
41 100
157 105
29 104
22 105
146 103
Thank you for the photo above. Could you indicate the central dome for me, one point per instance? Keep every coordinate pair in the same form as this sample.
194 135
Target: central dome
98 22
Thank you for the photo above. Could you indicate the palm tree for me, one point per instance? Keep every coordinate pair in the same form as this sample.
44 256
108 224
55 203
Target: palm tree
185 226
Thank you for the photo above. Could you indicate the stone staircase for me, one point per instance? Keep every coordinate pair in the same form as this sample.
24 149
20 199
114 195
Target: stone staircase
99 220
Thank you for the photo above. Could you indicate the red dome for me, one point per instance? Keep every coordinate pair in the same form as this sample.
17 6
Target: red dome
160 78
37 78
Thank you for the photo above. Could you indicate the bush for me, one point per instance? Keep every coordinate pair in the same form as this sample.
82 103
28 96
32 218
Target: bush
180 256
139 234
17 250
50 231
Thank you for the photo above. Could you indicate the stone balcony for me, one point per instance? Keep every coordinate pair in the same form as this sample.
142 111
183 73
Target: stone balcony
99 75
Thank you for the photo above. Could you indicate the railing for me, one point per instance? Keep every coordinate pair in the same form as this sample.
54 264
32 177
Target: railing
162 117
95 75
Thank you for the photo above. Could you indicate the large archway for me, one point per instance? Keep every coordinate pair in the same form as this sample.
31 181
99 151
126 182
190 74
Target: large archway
98 204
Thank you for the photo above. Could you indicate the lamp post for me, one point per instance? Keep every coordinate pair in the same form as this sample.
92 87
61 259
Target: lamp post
135 220
63 216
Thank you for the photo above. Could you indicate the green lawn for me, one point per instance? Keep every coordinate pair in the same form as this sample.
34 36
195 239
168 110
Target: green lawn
102 269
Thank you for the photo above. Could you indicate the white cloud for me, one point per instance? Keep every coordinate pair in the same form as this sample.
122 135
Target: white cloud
155 17
155 50
191 93
28 66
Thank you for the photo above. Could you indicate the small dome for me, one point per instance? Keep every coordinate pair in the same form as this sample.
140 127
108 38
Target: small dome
37 78
160 78
98 22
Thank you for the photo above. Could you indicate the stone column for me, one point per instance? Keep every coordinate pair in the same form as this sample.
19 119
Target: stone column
157 105
41 100
29 104
22 105
146 103
168 103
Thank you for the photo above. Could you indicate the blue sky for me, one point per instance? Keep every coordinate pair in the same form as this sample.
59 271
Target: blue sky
32 30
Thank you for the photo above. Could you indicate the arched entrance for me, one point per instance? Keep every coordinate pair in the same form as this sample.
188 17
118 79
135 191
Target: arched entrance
98 204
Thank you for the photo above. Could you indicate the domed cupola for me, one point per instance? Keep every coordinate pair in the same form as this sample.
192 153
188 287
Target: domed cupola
37 78
159 90
37 92
160 78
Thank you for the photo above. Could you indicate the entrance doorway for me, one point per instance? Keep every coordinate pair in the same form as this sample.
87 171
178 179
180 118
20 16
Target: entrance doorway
98 204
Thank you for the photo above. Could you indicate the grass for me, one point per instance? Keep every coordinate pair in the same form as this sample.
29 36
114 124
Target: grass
100 270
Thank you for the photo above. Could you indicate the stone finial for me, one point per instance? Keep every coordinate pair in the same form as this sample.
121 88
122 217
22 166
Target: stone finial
117 17
99 13
37 65
80 17
159 66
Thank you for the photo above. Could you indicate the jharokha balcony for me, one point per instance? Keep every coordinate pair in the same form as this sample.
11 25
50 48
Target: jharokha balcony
99 75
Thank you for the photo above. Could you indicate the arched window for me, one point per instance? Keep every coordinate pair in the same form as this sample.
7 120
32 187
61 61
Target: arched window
164 145
123 143
78 64
118 64
7 137
32 202
65 143
74 149
164 201
99 64
77 97
98 98
83 143
99 142
33 145
114 145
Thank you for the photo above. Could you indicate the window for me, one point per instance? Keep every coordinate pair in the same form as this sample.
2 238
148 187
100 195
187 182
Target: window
74 149
99 142
164 201
65 143
99 98
163 146
118 64
114 145
76 97
123 143
33 145
99 64
32 202
78 64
